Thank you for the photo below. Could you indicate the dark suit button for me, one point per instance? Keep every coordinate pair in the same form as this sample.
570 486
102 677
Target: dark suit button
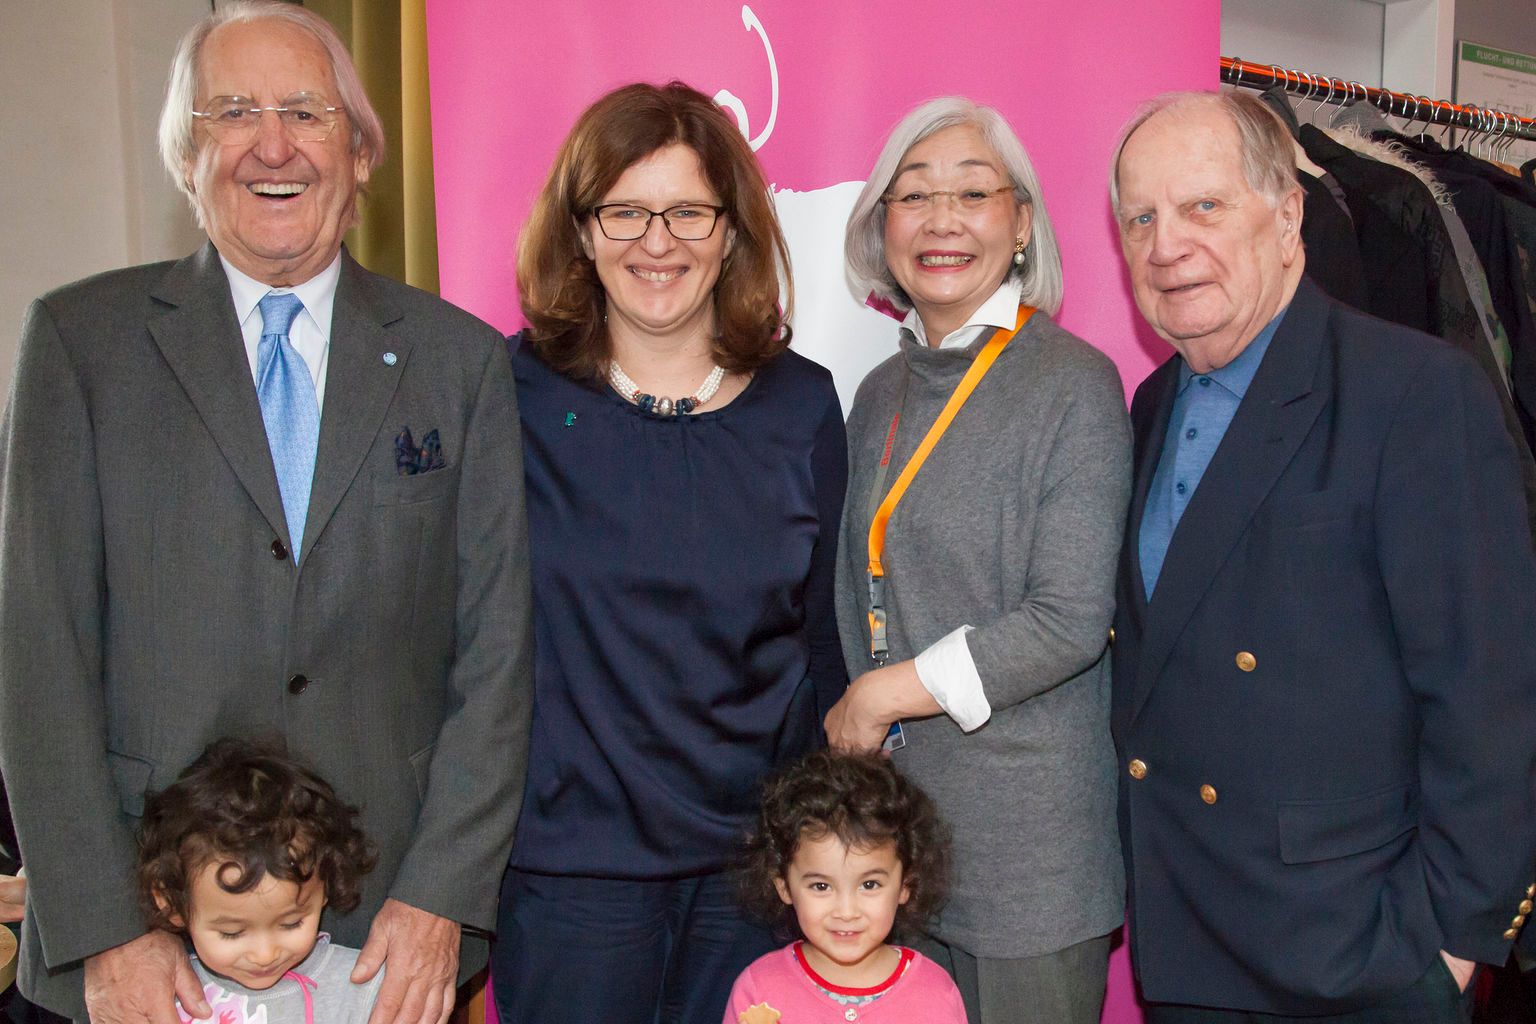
298 684
279 551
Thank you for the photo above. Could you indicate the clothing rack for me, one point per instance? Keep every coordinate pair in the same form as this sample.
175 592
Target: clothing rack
1327 89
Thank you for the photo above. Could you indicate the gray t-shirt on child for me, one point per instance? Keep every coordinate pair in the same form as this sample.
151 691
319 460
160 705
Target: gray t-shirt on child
335 999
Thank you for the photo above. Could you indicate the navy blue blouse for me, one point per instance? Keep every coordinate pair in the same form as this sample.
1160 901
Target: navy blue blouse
685 637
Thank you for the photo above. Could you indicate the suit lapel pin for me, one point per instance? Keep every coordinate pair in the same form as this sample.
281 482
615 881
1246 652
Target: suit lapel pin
570 418
390 359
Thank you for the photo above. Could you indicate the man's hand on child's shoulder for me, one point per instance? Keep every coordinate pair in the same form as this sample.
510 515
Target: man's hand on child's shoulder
140 981
13 897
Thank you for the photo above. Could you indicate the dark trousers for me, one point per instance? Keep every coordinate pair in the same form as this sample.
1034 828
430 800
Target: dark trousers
1064 987
619 951
18 1011
1433 999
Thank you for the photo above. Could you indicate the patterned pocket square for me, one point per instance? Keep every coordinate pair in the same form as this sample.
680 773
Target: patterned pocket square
410 459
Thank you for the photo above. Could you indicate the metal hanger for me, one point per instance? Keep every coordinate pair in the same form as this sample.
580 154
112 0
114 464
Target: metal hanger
1326 99
1349 97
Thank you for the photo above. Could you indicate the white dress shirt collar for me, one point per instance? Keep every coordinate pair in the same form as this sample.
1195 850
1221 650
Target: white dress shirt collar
311 330
1000 310
318 293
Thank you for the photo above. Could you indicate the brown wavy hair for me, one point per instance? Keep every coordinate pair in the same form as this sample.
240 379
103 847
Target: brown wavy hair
561 294
254 811
864 801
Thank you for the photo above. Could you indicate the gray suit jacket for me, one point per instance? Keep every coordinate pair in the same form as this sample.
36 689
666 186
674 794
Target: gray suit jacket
147 606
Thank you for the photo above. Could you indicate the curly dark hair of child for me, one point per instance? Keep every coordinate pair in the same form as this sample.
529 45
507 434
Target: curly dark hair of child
865 802
254 811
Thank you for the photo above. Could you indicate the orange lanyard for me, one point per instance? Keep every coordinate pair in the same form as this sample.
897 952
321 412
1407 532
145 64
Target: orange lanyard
878 649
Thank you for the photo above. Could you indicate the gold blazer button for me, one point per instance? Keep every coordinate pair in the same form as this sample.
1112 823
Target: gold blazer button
1138 768
1246 661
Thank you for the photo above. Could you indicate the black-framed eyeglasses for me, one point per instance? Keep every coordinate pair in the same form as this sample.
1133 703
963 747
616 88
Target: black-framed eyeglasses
306 117
688 222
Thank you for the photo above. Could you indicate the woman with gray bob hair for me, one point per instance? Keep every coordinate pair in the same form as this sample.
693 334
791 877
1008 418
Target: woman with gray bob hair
178 148
974 622
1040 273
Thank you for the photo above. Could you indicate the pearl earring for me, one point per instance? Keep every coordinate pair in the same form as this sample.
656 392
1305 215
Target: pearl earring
1018 252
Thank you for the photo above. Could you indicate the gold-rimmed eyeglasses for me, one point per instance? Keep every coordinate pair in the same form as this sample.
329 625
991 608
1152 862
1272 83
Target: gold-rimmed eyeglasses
306 117
967 199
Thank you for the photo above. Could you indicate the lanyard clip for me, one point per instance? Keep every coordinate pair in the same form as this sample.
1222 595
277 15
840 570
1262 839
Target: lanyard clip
878 649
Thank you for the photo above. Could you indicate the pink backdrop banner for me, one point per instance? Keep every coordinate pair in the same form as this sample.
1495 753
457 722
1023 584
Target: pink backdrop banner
815 86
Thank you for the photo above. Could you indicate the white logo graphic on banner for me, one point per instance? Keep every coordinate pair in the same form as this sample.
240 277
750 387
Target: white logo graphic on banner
832 325
728 100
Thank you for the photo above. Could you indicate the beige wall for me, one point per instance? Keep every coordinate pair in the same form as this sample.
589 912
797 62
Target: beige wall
84 191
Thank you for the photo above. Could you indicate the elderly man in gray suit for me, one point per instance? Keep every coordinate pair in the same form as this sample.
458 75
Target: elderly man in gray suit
262 491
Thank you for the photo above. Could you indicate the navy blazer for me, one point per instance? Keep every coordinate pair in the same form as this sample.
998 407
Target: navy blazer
1326 716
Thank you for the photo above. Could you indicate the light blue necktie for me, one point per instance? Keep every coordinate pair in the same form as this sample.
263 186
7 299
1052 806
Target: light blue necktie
289 410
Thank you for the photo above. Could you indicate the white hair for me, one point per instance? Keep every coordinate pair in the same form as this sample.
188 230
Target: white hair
178 148
864 243
1266 147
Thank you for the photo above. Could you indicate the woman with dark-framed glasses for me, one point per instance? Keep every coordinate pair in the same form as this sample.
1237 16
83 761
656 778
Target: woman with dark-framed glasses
685 475
989 475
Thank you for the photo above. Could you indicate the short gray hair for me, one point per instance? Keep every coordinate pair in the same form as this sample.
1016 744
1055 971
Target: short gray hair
864 243
178 148
1268 152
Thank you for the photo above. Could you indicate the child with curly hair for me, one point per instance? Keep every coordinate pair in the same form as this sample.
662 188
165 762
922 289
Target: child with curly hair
845 849
240 855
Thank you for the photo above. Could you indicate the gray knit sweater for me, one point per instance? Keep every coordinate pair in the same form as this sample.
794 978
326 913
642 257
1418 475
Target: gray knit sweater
1013 526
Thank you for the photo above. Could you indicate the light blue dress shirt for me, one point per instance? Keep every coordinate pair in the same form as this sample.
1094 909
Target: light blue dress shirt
1203 408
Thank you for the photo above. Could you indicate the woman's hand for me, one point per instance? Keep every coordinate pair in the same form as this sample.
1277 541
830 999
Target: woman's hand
859 721
854 724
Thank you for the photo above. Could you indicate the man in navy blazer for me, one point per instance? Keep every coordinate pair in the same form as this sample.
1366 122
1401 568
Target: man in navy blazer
1325 668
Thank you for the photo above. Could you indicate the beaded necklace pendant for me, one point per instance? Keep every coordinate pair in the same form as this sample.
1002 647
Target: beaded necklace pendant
625 385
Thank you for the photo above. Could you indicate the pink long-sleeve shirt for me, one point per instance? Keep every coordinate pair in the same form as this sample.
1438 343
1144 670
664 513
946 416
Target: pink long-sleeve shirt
923 994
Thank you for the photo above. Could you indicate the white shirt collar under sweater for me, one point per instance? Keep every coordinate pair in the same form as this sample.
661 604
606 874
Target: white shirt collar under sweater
311 330
1001 310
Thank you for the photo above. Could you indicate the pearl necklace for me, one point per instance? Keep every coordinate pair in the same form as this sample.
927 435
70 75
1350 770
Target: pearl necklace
624 385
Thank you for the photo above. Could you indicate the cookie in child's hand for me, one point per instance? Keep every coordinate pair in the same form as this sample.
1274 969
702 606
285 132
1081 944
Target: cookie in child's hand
762 1013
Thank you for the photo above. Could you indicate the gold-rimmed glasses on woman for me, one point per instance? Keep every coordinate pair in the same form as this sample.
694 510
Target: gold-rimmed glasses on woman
965 198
